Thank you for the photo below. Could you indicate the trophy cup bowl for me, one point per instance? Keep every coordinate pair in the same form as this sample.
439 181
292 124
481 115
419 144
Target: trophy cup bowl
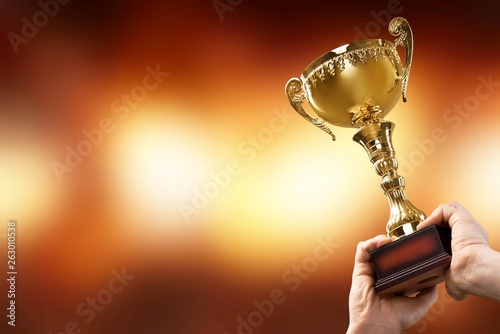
353 81
356 85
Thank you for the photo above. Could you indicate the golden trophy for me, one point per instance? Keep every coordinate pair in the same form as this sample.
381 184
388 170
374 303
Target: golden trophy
355 86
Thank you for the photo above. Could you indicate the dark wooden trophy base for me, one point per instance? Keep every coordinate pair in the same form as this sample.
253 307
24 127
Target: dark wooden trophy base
414 262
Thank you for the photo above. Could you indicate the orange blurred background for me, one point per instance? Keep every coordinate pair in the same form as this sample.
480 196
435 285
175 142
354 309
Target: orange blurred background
207 189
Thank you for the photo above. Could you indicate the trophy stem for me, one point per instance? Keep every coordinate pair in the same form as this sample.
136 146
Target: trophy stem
376 138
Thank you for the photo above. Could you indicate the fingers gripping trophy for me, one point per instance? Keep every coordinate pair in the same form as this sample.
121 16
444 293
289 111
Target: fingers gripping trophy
356 85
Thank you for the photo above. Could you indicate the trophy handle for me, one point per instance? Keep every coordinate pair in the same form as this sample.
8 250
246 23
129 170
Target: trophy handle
293 87
400 27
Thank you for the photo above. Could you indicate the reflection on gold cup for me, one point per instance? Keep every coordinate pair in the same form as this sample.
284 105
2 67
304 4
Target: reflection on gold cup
356 85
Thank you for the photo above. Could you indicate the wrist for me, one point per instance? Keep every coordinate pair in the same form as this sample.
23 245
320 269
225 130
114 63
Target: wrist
483 279
363 329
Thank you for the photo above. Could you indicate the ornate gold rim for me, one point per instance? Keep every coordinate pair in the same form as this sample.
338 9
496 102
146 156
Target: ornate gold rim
336 59
342 50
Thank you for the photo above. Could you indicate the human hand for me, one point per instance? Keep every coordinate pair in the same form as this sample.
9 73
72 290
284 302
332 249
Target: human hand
372 313
475 267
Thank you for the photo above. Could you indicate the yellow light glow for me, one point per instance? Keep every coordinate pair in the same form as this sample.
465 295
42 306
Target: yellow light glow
157 159
28 193
295 190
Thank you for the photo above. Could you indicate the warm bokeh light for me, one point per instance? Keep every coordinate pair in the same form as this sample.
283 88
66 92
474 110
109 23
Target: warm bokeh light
208 187
29 191
156 160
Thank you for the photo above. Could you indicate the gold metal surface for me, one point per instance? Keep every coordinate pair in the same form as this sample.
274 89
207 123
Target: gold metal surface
376 138
356 85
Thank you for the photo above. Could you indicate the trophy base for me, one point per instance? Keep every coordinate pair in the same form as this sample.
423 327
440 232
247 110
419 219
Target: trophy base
414 262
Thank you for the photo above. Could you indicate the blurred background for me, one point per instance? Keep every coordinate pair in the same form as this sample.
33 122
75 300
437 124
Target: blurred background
161 183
